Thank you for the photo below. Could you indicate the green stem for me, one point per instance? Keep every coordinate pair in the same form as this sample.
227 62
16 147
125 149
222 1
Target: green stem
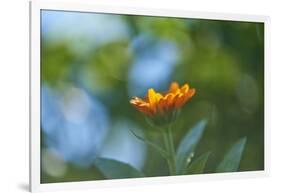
169 144
172 149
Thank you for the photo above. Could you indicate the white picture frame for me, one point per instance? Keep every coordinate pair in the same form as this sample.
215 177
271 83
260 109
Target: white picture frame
37 6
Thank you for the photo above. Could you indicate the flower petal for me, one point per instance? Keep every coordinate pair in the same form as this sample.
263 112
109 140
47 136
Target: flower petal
184 88
191 92
162 105
189 95
170 100
158 97
153 99
137 101
178 101
151 96
144 109
174 87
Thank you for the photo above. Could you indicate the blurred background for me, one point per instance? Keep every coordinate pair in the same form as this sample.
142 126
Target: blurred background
92 64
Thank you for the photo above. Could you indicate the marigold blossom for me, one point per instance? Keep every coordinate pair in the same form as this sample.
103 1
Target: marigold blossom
159 103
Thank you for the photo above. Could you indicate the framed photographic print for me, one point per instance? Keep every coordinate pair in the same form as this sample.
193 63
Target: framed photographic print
128 96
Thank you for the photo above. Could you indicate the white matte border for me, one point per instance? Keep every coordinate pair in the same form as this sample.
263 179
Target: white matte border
35 9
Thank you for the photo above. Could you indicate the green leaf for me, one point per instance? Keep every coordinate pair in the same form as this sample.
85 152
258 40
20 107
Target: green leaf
73 173
113 169
231 160
188 144
198 165
153 145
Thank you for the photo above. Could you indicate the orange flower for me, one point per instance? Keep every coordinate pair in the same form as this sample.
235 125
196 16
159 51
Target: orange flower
157 103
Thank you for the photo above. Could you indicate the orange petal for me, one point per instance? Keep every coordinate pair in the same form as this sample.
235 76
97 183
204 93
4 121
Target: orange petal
158 97
184 88
170 100
152 99
144 109
161 105
178 101
191 92
174 87
189 95
164 101
136 101
151 96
